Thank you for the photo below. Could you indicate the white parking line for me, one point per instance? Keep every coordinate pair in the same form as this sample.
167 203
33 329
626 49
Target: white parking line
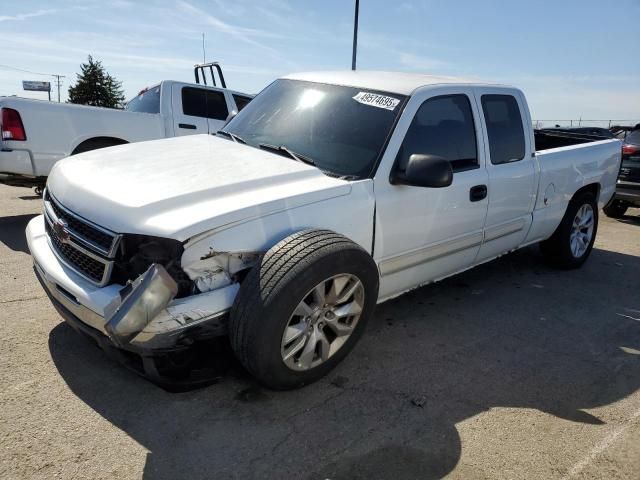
604 444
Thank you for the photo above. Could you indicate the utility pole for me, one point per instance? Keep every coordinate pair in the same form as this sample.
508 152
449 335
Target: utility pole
58 84
355 36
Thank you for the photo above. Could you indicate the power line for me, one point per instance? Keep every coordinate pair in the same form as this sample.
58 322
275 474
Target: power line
57 77
27 71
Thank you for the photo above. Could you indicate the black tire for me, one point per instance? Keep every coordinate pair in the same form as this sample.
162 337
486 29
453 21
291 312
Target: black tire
274 287
615 209
557 249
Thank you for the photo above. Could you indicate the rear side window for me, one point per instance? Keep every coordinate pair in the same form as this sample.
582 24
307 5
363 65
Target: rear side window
443 126
198 102
504 128
241 101
147 101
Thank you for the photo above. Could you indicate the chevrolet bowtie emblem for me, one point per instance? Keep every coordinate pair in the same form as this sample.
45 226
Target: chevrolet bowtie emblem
60 229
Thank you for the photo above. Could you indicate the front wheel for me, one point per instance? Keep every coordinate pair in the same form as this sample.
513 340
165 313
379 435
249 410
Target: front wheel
615 209
572 242
302 308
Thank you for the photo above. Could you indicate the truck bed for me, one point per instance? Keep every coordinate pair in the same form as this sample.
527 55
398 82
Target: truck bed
547 139
565 168
54 130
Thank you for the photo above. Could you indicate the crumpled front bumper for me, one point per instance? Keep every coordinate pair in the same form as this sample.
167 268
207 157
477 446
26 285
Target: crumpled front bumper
166 340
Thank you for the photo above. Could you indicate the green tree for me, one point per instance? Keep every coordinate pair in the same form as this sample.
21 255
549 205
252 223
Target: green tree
94 86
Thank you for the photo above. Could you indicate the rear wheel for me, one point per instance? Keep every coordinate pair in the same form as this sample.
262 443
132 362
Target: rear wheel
302 309
572 242
615 209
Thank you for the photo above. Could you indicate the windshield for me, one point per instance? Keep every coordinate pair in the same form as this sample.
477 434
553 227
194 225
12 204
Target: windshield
147 101
341 129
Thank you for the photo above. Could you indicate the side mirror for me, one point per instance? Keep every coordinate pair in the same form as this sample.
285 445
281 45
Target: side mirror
425 171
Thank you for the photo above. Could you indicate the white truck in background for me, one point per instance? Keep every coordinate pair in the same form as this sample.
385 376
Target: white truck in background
35 134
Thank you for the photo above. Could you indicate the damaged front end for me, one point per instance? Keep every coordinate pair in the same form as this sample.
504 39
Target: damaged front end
168 322
139 303
158 304
218 269
164 302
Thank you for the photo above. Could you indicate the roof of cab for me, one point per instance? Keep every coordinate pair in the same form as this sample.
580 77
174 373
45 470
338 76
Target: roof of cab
395 82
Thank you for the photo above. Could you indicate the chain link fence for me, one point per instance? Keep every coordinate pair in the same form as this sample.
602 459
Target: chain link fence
584 123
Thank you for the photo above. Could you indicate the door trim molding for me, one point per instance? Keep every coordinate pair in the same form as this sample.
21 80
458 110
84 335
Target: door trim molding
427 254
499 231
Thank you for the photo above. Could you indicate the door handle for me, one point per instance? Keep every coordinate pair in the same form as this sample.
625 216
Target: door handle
188 126
477 193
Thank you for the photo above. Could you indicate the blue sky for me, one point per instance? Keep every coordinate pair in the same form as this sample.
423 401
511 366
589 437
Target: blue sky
572 58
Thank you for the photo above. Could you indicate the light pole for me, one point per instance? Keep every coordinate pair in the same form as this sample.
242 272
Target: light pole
355 36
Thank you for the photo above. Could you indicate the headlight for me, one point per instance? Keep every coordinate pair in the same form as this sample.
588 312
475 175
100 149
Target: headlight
138 252
142 300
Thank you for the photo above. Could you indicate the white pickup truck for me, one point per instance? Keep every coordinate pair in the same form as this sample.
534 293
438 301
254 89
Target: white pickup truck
36 134
329 193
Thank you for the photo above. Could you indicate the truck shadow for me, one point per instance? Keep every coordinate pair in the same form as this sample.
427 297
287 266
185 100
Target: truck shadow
512 333
631 219
31 197
12 232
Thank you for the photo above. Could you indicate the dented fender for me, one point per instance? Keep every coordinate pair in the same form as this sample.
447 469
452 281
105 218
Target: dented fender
211 269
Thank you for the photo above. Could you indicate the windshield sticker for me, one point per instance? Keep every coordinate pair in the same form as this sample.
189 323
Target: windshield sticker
375 100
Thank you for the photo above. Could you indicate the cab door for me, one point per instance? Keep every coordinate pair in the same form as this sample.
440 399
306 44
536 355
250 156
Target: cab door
197 109
511 169
423 234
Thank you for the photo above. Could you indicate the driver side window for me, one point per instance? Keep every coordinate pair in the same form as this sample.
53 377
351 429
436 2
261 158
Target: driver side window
443 126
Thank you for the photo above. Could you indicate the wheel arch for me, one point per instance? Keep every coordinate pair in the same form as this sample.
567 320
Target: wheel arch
95 143
593 188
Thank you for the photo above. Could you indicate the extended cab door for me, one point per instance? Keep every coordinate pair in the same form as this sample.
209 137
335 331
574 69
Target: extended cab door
198 110
511 168
423 234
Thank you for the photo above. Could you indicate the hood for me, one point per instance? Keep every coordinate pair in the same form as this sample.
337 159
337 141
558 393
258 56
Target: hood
180 187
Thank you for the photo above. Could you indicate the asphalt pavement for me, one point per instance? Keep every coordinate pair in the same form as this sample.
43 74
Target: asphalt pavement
510 370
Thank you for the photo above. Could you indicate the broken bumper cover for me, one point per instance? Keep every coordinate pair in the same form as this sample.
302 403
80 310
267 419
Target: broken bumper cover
178 325
172 369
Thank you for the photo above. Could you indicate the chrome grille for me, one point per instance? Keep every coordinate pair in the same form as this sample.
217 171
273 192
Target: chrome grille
83 246
88 266
99 238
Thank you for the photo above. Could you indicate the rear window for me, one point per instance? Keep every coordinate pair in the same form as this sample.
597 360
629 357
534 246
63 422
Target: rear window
504 128
198 102
241 101
147 101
